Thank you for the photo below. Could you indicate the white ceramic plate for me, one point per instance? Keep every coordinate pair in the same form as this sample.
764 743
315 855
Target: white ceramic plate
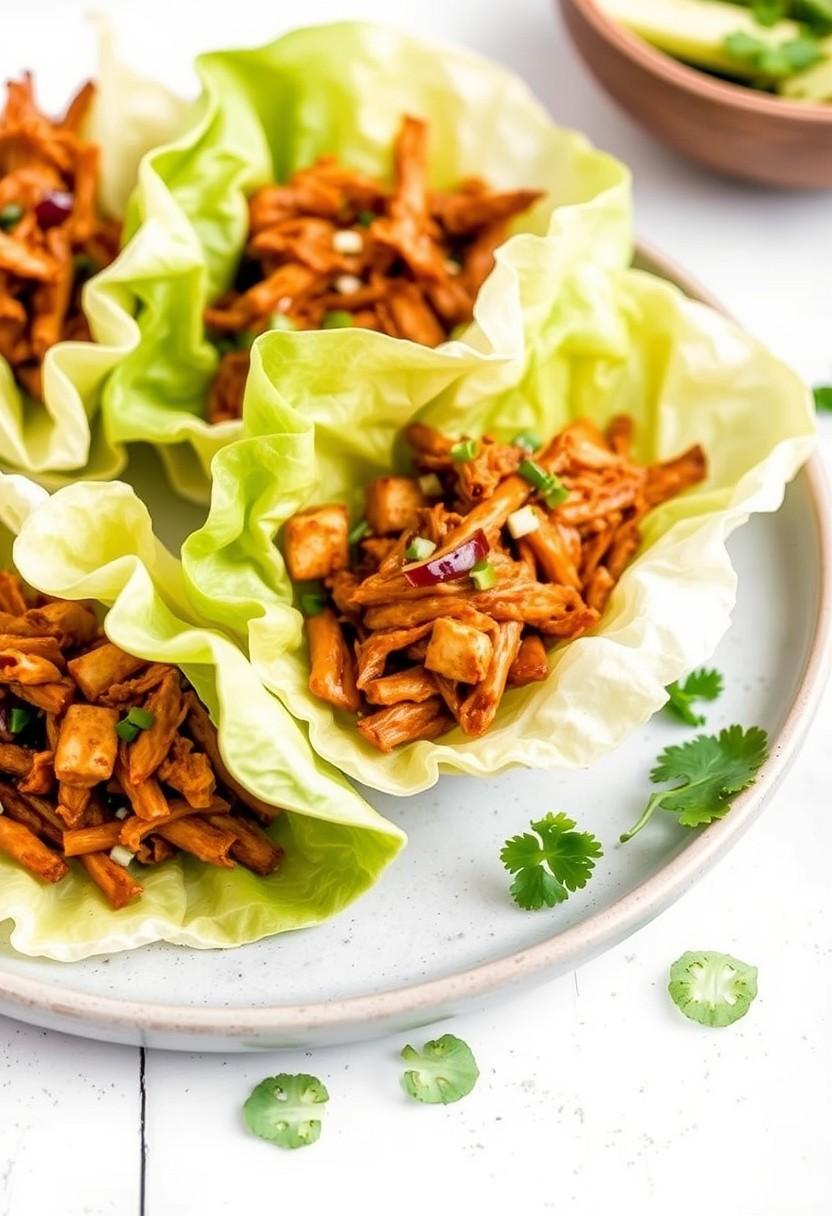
439 931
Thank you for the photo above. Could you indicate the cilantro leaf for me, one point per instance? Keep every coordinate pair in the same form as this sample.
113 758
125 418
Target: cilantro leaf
702 685
286 1109
711 770
548 868
443 1071
711 988
823 397
773 62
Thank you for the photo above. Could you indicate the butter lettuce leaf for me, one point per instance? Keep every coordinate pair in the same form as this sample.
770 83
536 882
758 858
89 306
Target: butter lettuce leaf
608 342
95 541
339 89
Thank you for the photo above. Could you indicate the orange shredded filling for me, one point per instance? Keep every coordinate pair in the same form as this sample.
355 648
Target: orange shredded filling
333 247
52 236
414 656
78 779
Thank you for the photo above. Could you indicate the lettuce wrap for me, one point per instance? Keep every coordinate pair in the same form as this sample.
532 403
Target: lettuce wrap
62 435
623 342
339 89
96 541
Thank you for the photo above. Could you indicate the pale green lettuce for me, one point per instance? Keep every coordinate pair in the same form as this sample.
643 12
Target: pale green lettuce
608 343
96 541
339 89
64 434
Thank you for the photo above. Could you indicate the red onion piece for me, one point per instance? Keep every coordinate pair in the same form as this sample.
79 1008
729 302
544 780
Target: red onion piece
450 565
54 208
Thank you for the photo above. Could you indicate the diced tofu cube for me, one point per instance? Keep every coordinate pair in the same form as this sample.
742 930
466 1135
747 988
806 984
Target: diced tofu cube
392 504
315 542
459 652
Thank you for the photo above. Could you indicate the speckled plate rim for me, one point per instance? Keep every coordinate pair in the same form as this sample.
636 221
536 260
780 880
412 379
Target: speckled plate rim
362 1016
698 81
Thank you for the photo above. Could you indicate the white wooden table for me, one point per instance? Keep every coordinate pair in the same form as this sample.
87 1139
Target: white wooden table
595 1095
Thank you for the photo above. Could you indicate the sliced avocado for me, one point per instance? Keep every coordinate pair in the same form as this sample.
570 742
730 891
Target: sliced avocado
695 30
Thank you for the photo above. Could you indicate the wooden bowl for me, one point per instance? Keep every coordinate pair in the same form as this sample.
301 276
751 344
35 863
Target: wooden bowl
730 128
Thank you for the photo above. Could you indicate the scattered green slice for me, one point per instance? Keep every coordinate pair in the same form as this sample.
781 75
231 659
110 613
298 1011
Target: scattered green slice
711 988
10 215
361 529
551 864
703 685
19 719
286 1109
312 603
142 718
483 575
466 449
279 321
443 1071
528 441
823 397
338 318
419 549
711 770
551 488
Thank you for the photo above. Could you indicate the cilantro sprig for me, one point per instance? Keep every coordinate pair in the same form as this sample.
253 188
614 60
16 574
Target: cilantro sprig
443 1071
705 684
711 770
552 863
286 1109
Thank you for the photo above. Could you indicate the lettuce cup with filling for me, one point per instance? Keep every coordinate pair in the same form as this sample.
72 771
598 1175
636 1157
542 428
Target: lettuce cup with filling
601 481
344 177
152 789
64 181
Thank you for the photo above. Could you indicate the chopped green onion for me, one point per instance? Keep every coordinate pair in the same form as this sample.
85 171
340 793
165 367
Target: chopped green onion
365 218
10 215
558 494
484 575
361 529
312 603
19 719
430 485
522 522
338 318
466 449
419 549
279 320
120 855
142 718
127 731
527 440
551 489
84 266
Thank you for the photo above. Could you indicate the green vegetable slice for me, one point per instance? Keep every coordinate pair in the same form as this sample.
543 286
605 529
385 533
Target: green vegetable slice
286 1109
466 449
823 397
312 603
10 215
528 441
483 575
339 318
361 529
706 684
711 988
712 770
19 719
142 718
419 549
127 730
550 487
443 1071
546 870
